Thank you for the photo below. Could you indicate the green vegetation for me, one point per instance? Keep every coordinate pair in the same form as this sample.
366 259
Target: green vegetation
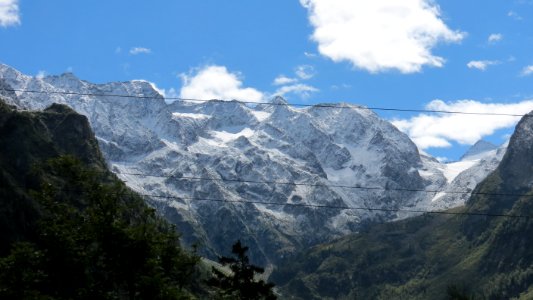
69 229
94 240
241 282
457 293
419 258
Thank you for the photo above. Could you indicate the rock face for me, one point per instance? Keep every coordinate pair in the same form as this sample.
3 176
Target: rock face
27 139
200 163
478 148
462 176
485 246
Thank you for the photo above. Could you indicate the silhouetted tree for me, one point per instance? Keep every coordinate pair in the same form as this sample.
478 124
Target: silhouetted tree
458 293
240 284
95 240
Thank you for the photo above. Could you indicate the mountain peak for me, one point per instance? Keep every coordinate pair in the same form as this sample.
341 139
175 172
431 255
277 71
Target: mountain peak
516 164
270 142
278 100
479 147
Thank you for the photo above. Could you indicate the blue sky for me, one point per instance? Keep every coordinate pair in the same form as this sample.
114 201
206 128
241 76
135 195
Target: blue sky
458 55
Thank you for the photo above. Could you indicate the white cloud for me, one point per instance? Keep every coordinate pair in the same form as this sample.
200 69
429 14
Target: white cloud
140 50
380 35
310 55
41 74
481 64
440 130
514 15
305 72
171 93
341 86
528 70
9 13
300 89
282 79
495 37
216 82
293 85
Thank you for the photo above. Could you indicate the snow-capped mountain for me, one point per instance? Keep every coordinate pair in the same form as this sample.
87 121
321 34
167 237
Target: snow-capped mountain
273 176
461 176
479 149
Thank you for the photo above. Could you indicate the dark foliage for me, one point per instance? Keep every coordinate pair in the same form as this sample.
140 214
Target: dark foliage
417 258
69 229
95 240
455 292
241 283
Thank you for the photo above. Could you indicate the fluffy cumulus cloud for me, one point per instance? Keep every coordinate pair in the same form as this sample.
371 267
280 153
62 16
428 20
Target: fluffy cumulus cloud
140 50
514 15
294 85
440 130
9 13
305 72
216 82
380 35
282 80
528 70
481 64
300 89
41 74
495 37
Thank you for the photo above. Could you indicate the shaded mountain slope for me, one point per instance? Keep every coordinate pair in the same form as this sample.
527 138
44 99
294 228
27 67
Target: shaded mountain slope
192 151
30 138
419 258
69 229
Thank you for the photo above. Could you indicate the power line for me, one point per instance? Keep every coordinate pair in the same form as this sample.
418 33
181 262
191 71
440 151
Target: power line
359 187
335 105
328 185
342 207
322 206
306 184
129 191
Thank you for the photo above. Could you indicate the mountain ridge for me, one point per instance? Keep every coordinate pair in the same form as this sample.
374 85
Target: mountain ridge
419 258
222 141
70 229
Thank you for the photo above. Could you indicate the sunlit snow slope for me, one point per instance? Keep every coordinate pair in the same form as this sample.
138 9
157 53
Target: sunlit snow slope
201 162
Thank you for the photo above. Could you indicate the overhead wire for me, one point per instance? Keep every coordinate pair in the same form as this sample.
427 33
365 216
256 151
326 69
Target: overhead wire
333 105
340 106
319 206
343 207
327 185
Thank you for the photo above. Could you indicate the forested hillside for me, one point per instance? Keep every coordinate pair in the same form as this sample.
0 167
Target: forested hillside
484 248
69 228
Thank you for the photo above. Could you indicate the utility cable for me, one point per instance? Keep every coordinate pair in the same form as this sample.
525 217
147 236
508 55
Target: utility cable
335 105
327 185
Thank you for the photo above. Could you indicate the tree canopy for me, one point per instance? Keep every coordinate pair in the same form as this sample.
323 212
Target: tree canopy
241 283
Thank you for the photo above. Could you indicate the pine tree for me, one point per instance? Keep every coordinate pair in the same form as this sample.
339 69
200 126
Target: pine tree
95 239
241 284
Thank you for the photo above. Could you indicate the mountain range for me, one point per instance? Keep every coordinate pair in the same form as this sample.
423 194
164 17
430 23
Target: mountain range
70 229
279 178
481 250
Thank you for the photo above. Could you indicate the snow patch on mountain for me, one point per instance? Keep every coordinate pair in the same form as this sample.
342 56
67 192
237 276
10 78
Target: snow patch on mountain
190 115
276 177
462 176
